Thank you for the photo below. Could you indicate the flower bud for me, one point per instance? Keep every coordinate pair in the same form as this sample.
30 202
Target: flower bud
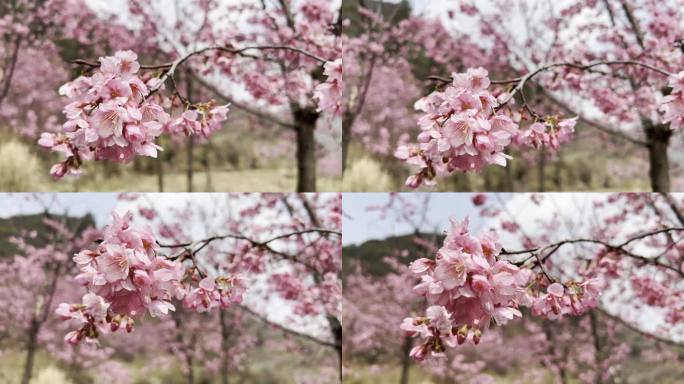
477 335
462 334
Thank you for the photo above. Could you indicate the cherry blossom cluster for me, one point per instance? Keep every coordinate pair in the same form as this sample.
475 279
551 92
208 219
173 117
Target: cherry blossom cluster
108 117
673 104
468 287
204 120
460 130
463 128
573 298
329 93
552 133
126 277
220 292
112 116
660 294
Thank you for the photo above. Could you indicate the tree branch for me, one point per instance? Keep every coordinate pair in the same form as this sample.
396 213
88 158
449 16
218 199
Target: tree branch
289 331
535 253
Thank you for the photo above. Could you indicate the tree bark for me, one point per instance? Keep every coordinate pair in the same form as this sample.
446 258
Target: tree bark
225 344
191 369
207 167
160 173
658 140
305 121
558 172
191 138
542 170
406 360
346 139
597 346
30 350
510 186
191 144
336 329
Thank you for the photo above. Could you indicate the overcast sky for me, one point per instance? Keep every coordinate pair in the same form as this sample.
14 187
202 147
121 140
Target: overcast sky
361 225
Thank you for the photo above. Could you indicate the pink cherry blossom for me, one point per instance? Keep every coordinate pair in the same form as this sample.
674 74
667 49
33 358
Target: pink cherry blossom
461 130
329 93
126 276
104 118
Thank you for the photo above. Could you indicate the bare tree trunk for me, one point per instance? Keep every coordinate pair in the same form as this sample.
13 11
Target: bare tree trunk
30 350
558 172
336 329
191 369
225 344
160 173
346 139
510 186
207 167
597 347
541 169
488 182
9 69
305 121
658 141
406 360
191 144
191 139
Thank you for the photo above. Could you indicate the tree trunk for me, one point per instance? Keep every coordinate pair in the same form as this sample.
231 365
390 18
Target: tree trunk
558 172
346 139
658 141
30 350
541 169
225 344
207 167
191 144
305 122
336 330
160 173
191 369
597 347
406 360
510 186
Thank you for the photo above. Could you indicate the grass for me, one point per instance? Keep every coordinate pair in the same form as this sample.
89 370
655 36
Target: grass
262 365
635 372
262 180
383 374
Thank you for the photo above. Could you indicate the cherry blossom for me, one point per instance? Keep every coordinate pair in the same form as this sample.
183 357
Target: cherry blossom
673 104
107 116
126 277
461 129
329 93
470 285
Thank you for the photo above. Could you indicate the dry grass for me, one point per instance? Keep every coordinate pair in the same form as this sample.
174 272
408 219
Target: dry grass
261 180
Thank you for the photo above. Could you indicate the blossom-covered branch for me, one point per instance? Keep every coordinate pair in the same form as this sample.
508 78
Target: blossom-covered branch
466 128
471 284
542 253
126 277
114 116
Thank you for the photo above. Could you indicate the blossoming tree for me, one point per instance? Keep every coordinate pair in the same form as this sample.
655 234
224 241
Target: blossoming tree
182 279
610 66
619 273
278 61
